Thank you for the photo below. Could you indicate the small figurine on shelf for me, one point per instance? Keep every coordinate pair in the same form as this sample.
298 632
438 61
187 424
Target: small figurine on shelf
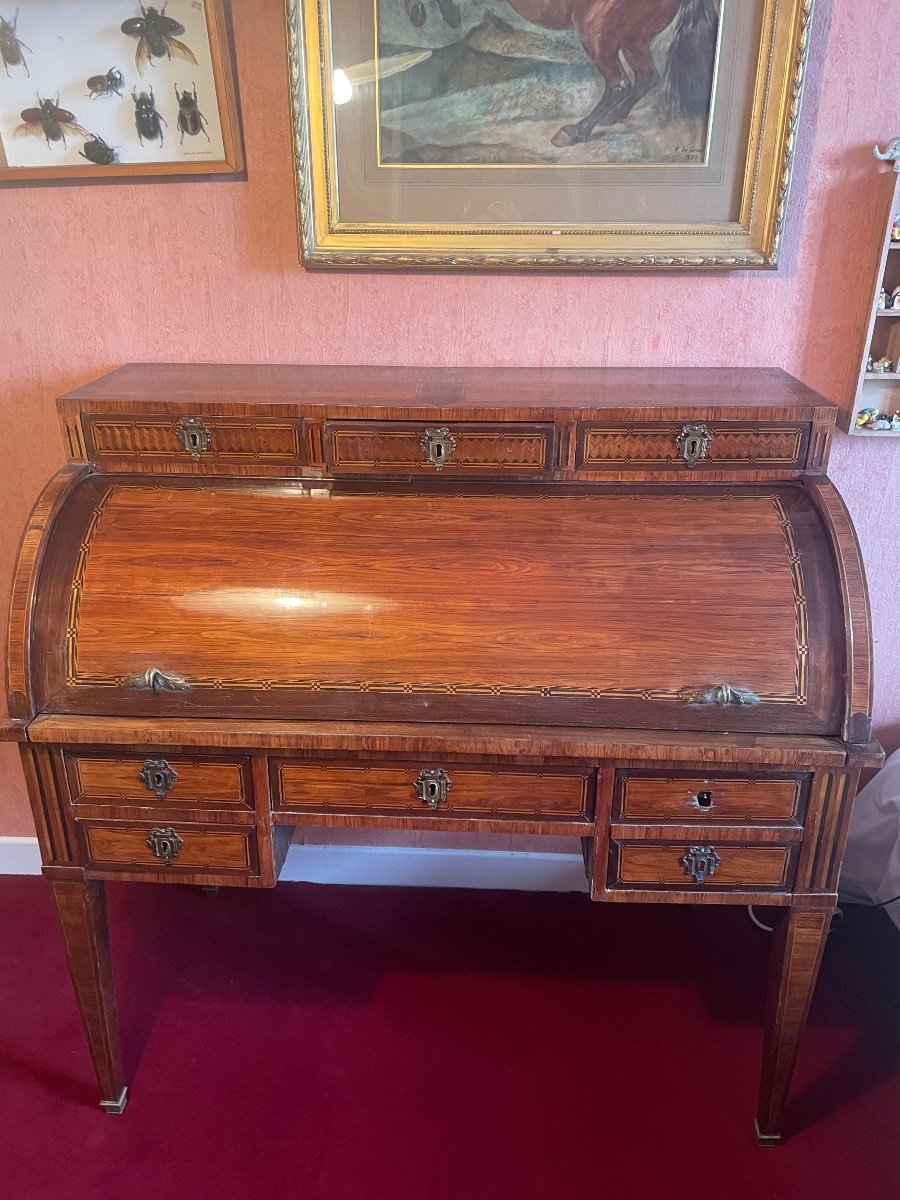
894 301
882 300
883 422
870 365
883 366
895 229
895 422
866 418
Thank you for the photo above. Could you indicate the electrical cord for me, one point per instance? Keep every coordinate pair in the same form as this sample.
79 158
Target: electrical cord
884 903
757 922
838 915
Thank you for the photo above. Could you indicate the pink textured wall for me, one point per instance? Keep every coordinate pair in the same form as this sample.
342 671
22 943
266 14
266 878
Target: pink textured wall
94 276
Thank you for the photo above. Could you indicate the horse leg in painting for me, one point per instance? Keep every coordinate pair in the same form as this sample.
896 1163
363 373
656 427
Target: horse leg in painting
450 13
618 34
415 10
612 31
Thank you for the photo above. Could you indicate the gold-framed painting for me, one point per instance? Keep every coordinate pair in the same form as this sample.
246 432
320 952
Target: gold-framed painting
116 89
545 134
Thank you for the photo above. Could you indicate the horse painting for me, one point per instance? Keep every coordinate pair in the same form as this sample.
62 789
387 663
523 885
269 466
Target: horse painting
617 36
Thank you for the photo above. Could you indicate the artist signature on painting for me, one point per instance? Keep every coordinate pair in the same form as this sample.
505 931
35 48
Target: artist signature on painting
690 153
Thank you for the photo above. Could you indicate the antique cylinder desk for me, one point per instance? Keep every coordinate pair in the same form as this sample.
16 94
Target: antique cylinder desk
626 606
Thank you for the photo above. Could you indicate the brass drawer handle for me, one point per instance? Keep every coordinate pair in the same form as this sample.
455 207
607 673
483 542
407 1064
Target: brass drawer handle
165 844
157 681
438 446
158 777
194 435
701 862
693 443
432 786
721 694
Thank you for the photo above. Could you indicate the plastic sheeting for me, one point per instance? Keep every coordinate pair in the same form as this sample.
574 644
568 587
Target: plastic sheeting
871 872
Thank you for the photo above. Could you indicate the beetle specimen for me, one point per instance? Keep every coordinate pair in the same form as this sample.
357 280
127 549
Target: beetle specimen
148 121
51 121
156 34
109 84
97 151
11 46
191 120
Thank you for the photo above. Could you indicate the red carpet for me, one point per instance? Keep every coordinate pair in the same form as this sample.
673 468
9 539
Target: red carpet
380 1044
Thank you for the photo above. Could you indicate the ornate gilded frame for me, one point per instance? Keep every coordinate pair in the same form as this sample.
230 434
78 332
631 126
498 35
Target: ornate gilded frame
754 243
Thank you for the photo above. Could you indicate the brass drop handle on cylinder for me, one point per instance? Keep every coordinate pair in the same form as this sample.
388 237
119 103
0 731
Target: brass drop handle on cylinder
157 681
720 695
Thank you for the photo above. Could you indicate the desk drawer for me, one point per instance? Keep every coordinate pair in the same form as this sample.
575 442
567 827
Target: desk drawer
179 847
411 789
701 865
764 446
159 779
691 798
444 449
194 441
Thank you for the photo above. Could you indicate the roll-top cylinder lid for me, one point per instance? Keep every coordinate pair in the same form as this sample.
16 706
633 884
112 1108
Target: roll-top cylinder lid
709 608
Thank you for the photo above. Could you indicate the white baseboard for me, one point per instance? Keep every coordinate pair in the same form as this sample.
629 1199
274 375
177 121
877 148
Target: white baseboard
19 856
416 866
398 866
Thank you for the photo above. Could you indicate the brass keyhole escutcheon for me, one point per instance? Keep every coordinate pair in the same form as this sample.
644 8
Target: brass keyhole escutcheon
194 435
165 844
438 446
701 862
432 785
693 443
158 777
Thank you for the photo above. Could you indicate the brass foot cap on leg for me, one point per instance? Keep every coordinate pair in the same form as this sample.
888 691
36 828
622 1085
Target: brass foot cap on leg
116 1106
765 1139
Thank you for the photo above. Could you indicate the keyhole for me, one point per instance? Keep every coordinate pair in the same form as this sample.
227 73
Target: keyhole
432 791
195 441
693 448
704 799
158 781
438 449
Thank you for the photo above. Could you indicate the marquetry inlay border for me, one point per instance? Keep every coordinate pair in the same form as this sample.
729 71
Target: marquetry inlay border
614 446
84 550
443 687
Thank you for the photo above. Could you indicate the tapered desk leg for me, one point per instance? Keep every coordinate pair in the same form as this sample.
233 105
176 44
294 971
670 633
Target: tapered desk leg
81 909
796 955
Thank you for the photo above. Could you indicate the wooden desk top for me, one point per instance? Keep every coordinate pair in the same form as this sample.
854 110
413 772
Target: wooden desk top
468 388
